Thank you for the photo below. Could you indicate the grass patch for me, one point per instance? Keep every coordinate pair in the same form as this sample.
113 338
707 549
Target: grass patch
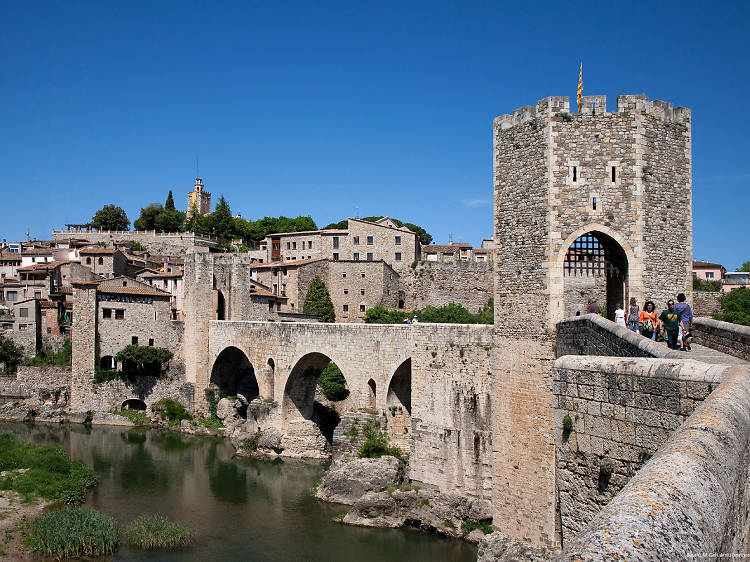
251 444
340 516
151 532
470 524
448 524
211 422
47 357
138 417
403 487
73 531
50 474
376 444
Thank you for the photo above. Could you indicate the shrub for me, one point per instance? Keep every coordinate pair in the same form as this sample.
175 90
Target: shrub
706 284
333 383
73 531
567 424
377 444
51 473
171 410
470 524
251 444
47 357
143 360
735 307
101 376
151 532
138 417
10 355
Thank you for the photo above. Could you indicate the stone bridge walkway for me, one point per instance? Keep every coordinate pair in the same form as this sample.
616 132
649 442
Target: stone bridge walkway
706 355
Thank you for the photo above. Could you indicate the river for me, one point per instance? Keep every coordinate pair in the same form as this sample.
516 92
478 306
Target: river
239 509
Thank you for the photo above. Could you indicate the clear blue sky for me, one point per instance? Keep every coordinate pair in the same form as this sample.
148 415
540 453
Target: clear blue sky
344 109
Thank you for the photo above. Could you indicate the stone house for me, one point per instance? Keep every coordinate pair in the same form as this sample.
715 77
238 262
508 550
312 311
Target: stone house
23 325
128 311
105 262
169 281
360 241
9 263
354 286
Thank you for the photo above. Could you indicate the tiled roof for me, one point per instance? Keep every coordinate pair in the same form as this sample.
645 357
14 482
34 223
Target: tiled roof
697 264
96 250
162 274
38 252
46 303
290 263
14 256
149 292
43 266
400 228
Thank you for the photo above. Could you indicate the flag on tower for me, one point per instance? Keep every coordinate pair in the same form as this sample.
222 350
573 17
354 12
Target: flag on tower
580 87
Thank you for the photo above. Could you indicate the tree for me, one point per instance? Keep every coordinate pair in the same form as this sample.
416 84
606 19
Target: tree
170 221
143 360
169 205
744 267
333 383
424 236
221 221
147 220
10 355
381 315
735 307
110 217
195 222
318 301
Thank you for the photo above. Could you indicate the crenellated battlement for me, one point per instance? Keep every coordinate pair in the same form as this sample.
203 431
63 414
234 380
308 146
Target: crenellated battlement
594 106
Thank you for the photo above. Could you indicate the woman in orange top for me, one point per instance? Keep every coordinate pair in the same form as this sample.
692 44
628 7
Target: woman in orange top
649 320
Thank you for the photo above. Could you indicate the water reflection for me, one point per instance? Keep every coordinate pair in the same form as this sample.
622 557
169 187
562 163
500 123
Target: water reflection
240 509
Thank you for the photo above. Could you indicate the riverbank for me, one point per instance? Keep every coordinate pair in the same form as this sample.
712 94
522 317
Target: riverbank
15 517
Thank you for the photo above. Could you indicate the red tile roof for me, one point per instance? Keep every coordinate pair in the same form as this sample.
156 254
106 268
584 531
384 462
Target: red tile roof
290 263
696 264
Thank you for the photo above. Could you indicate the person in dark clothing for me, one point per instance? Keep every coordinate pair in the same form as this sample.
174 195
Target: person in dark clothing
687 321
671 321
592 308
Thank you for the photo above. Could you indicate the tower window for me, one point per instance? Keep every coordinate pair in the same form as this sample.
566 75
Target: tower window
593 203
614 174
575 173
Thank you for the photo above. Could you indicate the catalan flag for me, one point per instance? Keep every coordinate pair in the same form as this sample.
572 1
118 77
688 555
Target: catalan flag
580 87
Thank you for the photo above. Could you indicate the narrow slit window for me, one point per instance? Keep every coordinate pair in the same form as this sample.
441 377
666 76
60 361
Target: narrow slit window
593 203
575 173
614 174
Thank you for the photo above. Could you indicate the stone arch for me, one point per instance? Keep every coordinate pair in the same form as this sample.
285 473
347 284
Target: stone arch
233 373
398 405
299 404
593 262
133 404
107 363
221 306
372 395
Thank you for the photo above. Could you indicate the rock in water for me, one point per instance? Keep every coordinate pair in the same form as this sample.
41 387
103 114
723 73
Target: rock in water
496 547
347 482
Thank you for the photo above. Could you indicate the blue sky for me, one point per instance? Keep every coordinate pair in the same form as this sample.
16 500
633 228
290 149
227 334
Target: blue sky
345 109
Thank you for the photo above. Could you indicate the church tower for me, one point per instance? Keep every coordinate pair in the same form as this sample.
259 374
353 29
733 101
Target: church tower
199 198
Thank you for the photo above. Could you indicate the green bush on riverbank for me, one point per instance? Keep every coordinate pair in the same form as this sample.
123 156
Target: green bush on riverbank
157 531
48 472
73 531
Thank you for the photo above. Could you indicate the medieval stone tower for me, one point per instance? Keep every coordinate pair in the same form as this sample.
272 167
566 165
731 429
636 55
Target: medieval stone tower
199 198
588 206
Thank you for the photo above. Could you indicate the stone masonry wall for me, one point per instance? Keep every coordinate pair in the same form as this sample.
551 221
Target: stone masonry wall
437 283
706 303
690 501
732 339
109 396
156 243
621 411
592 334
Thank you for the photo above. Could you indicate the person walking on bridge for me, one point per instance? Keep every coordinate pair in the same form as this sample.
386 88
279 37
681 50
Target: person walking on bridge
687 321
649 320
671 320
633 312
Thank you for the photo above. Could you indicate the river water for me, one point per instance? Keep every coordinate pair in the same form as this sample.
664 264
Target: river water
239 509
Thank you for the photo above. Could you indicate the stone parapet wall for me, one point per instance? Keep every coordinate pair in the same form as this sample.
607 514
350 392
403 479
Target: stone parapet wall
592 334
27 340
437 283
732 339
47 376
621 411
691 499
38 385
54 342
706 303
171 243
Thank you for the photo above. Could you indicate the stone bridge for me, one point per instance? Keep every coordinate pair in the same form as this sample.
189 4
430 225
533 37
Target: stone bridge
431 382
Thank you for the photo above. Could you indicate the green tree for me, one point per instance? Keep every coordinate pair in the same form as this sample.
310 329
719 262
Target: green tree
170 221
221 221
744 267
318 301
487 314
735 307
382 315
110 217
10 355
169 205
332 382
147 220
337 225
143 360
424 236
